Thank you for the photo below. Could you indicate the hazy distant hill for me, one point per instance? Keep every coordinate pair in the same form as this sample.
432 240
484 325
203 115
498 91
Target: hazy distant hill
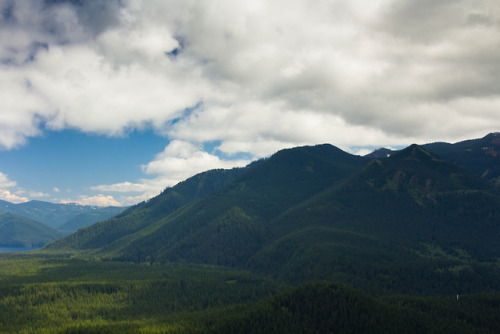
90 217
55 215
411 222
18 231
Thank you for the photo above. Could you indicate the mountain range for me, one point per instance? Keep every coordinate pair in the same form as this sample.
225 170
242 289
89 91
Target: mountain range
57 215
35 223
425 219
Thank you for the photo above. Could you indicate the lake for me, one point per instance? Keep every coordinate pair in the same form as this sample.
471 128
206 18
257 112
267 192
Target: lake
17 249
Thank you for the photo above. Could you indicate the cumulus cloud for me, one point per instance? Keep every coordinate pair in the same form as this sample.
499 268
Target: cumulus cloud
181 160
391 68
178 161
253 76
6 191
97 200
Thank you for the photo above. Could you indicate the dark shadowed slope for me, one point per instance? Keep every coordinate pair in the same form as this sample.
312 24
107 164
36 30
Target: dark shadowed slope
399 222
481 156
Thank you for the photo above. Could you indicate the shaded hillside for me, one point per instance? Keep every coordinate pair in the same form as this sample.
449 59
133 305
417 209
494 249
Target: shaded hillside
333 308
18 231
399 224
143 214
88 218
481 156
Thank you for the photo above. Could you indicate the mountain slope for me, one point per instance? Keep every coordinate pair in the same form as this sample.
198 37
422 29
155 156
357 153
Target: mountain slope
408 223
400 221
18 231
230 225
235 213
143 214
481 156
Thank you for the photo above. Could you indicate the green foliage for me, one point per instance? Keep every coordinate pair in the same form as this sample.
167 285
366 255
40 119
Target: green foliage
333 308
55 295
314 213
144 214
63 295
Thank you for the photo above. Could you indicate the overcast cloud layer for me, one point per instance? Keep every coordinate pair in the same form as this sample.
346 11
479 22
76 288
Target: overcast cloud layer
254 76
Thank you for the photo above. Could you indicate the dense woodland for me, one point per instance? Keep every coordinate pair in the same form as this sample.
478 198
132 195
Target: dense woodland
57 295
310 240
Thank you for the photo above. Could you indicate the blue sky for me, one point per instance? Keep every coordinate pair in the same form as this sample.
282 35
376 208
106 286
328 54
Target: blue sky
110 101
62 165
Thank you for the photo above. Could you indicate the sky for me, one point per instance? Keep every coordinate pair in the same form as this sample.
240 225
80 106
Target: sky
108 102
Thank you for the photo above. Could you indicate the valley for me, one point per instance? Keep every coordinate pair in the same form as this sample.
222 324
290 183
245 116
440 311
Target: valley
310 240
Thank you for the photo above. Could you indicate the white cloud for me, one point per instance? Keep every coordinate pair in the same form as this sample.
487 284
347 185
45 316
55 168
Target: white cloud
5 182
181 160
37 194
6 195
97 200
253 76
9 191
368 66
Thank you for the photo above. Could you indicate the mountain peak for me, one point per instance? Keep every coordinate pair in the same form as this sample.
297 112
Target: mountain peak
415 152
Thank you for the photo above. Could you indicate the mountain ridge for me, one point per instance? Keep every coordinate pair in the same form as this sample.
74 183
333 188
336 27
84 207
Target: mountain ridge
318 213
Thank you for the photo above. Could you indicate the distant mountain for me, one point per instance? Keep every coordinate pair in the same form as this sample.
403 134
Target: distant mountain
18 231
381 153
50 214
411 222
480 156
90 217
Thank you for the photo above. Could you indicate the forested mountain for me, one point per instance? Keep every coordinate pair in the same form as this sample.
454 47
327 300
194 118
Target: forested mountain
18 231
480 156
318 213
144 214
